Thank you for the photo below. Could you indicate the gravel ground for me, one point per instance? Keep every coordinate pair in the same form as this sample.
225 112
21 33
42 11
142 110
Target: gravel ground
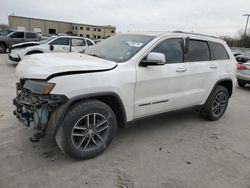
177 149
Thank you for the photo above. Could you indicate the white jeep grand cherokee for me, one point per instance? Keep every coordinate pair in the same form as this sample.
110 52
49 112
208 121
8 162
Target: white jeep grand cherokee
80 99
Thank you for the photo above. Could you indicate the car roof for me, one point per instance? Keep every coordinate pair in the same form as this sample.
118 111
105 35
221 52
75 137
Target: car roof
22 31
67 36
178 34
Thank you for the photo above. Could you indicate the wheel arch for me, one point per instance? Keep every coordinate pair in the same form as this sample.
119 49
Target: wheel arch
227 83
3 42
110 98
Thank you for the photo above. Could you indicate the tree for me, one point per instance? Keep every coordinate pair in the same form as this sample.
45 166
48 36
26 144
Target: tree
240 40
4 27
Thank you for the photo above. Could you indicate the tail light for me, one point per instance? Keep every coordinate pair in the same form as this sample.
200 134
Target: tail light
241 67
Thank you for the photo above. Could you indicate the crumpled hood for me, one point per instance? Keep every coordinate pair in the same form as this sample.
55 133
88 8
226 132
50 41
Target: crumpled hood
42 66
25 44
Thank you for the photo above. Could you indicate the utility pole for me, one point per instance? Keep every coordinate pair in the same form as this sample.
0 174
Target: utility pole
248 15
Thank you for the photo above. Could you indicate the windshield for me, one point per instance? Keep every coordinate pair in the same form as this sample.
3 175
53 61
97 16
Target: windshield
47 40
119 48
4 33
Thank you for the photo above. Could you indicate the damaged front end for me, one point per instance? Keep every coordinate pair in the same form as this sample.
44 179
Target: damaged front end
34 105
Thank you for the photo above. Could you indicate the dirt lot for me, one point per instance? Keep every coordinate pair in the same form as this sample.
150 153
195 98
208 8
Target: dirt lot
172 150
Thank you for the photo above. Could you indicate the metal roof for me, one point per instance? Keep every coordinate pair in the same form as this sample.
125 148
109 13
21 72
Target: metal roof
103 26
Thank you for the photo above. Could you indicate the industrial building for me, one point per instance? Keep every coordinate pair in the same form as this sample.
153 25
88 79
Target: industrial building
52 27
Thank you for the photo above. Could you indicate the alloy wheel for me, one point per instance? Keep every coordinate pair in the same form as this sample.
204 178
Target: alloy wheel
219 104
90 132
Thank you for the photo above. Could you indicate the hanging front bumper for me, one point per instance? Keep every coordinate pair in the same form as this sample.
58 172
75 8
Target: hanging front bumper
35 108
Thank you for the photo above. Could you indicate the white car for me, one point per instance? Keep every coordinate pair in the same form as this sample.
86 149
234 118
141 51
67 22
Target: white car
80 99
52 44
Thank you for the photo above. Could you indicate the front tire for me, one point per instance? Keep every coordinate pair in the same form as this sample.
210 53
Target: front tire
87 130
216 104
2 47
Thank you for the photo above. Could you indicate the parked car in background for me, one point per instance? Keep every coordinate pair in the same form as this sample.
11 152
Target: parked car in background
80 99
242 58
240 51
15 37
52 44
43 37
243 70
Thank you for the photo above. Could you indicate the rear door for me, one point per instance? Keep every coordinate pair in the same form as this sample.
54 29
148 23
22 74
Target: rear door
60 44
201 70
77 45
16 37
30 36
221 63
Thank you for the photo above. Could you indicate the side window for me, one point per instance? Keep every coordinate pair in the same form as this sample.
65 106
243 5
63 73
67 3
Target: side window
197 51
30 35
172 49
219 52
89 43
78 42
17 35
60 41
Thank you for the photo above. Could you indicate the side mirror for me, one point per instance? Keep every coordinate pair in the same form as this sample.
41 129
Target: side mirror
154 59
51 47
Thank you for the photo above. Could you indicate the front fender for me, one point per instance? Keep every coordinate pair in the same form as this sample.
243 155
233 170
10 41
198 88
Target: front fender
57 116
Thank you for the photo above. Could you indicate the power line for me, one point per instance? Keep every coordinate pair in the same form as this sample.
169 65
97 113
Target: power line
248 15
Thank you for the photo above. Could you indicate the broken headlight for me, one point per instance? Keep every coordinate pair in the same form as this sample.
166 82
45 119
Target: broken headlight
38 86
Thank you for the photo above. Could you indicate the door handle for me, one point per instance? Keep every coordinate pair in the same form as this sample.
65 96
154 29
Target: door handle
213 66
181 70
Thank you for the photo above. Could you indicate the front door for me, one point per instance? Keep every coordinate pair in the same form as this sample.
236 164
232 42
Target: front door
158 88
60 44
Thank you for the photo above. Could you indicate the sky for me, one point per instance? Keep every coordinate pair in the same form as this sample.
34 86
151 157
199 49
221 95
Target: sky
212 17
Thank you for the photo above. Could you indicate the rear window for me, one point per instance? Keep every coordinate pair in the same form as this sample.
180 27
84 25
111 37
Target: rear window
197 51
219 52
30 35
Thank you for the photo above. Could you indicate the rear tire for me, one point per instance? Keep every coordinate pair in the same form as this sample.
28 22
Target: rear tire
2 47
216 104
241 83
87 130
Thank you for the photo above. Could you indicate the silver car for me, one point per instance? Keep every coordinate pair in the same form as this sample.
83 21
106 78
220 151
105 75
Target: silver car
15 37
243 70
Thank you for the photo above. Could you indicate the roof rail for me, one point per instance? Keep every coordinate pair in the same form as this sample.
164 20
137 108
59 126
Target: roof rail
193 34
